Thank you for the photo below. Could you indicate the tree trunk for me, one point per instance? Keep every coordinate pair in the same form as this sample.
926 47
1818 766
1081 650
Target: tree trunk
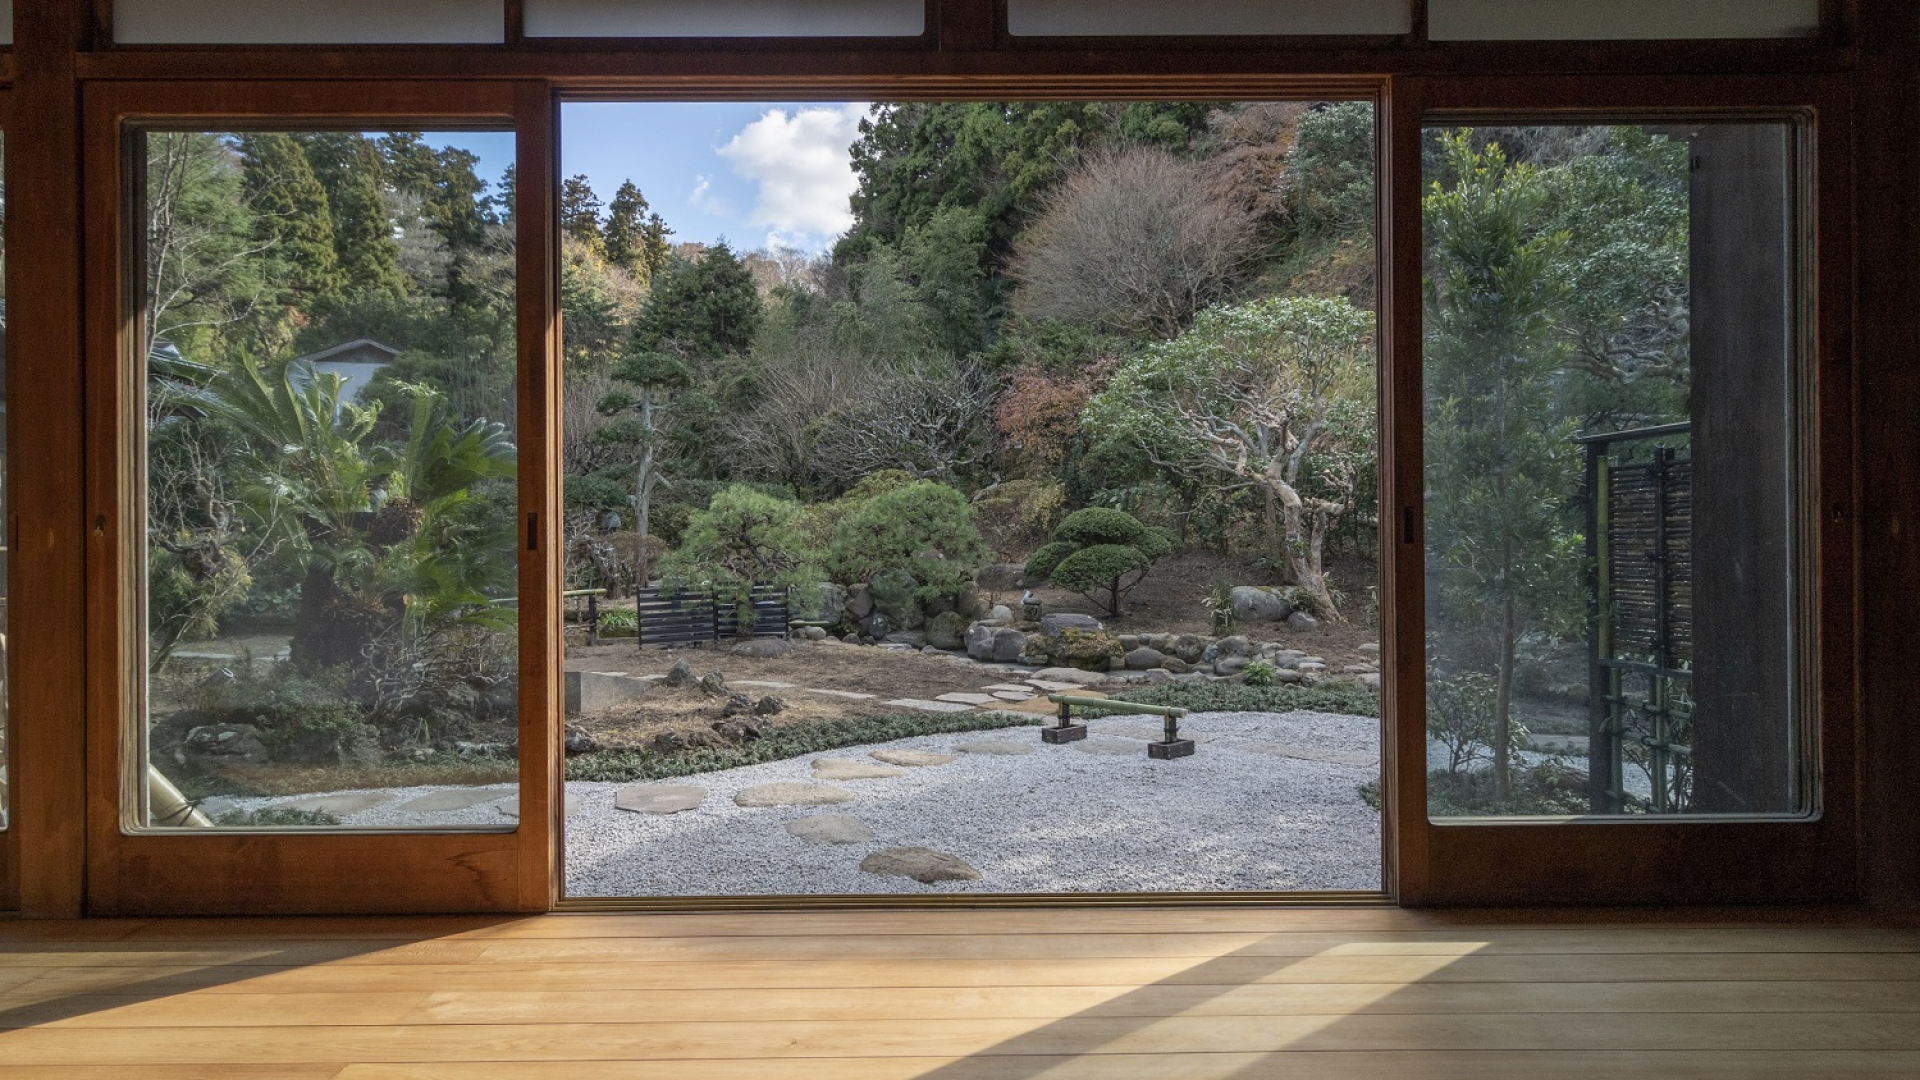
1503 706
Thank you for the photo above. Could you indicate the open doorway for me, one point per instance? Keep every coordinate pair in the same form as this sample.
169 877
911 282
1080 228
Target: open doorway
889 426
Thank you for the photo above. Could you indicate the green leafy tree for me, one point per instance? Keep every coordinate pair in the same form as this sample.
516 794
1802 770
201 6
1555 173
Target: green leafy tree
1100 553
923 529
580 213
293 230
1499 464
352 171
1275 396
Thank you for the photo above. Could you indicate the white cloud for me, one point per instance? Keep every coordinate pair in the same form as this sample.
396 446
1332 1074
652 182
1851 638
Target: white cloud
800 165
704 200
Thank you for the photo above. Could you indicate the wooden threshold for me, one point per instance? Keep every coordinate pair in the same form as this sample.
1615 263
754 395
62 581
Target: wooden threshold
956 995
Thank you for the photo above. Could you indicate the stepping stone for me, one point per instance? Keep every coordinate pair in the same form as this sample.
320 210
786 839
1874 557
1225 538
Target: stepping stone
831 769
1054 686
1070 675
453 799
848 694
511 808
1108 747
996 748
659 798
1013 695
350 803
931 706
912 758
1011 687
921 864
967 699
830 829
791 794
1310 753
769 684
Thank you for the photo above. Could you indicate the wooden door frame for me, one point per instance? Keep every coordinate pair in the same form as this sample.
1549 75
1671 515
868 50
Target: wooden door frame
140 872
10 837
1668 860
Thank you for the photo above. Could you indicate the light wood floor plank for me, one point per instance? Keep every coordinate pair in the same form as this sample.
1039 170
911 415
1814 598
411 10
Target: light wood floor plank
1358 1066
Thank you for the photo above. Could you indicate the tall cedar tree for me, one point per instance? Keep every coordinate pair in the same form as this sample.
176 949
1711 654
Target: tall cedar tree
353 172
293 228
580 213
636 238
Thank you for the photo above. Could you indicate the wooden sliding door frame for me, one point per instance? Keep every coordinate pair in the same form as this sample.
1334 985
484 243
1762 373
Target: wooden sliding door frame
9 837
1665 860
143 872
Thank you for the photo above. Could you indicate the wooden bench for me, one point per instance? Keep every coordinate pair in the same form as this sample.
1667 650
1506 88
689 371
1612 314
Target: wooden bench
1172 746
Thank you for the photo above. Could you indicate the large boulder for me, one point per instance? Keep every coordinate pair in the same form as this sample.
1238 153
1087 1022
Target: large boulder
1231 646
1011 646
979 640
947 630
913 639
1300 620
1000 613
860 601
1144 658
876 626
1254 603
763 648
893 596
1060 622
213 745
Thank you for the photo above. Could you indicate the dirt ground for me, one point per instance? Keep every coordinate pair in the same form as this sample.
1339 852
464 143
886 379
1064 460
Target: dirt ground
1167 601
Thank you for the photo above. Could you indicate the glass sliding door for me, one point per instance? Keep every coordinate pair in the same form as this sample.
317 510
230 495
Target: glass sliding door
329 328
327 549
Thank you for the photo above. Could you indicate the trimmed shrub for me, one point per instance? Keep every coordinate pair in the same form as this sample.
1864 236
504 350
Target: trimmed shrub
1043 562
1099 525
924 530
1109 569
1100 554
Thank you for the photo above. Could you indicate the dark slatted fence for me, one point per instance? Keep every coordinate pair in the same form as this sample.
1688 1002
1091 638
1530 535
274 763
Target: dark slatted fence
704 616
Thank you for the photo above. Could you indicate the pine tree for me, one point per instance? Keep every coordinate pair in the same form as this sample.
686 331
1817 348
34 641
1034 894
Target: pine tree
293 226
580 213
353 173
704 308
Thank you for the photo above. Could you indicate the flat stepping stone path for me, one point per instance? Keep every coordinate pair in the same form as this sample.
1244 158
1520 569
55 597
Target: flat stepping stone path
967 699
1108 747
836 769
1055 686
931 706
912 758
996 748
350 803
921 864
848 694
830 829
1071 676
1018 688
1309 753
453 799
659 798
1013 695
792 794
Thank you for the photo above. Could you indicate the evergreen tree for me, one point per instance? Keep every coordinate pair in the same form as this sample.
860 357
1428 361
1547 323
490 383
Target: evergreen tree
580 213
701 308
1499 465
636 238
293 226
353 173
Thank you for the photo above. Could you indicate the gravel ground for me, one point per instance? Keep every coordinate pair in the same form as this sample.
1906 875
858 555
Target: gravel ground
1243 813
1269 802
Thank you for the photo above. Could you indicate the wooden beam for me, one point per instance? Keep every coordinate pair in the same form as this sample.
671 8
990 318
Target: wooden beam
47 648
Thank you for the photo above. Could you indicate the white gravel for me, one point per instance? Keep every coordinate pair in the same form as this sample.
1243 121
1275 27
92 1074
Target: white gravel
1269 802
1238 815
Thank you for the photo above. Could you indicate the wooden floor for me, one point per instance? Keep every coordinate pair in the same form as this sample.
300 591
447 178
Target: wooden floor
964 995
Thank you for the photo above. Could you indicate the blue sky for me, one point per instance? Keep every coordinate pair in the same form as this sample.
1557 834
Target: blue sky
759 174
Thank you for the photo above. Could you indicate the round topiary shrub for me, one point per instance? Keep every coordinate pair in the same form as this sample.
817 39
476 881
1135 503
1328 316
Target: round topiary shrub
1043 562
1108 568
1101 554
1098 525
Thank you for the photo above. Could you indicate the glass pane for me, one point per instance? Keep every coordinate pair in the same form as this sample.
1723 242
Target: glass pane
6 22
331 501
336 22
725 18
883 423
1600 20
1613 583
1068 18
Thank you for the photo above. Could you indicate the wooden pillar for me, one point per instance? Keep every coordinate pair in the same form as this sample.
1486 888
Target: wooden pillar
1742 283
46 648
1887 440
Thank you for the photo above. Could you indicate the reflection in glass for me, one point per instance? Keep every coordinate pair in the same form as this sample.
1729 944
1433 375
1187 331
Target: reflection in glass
1611 586
330 559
